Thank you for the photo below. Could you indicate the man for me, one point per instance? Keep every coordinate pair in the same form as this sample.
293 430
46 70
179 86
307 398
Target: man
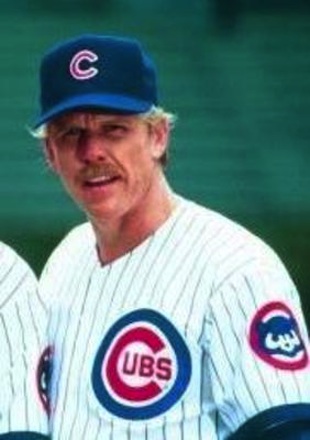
168 321
23 397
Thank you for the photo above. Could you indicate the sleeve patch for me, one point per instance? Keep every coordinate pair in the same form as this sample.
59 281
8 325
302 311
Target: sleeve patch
44 376
276 339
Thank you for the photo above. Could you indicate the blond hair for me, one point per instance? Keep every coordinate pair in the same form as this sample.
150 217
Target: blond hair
154 115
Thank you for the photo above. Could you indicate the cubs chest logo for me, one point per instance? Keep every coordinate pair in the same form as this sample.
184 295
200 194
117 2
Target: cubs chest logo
275 337
142 367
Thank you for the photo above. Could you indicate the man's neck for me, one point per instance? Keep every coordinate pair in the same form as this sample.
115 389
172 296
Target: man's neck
116 238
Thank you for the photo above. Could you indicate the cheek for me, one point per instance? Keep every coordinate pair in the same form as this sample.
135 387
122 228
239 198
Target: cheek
144 172
142 162
57 161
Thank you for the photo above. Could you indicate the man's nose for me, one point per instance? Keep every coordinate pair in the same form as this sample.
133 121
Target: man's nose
92 148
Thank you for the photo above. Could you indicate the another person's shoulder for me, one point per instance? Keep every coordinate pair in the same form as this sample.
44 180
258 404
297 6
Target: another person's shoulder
12 264
7 253
17 279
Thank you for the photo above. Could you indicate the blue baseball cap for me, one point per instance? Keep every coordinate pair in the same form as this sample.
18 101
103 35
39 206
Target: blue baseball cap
99 72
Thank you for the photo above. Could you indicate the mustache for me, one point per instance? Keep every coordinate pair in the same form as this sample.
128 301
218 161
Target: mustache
93 171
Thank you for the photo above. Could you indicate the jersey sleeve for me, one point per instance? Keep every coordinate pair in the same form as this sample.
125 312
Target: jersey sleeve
286 422
23 322
259 346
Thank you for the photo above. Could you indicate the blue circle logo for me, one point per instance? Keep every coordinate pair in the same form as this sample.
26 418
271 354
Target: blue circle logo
142 367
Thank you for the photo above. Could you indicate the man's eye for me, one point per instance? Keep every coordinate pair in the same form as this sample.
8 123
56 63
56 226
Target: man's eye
115 130
72 132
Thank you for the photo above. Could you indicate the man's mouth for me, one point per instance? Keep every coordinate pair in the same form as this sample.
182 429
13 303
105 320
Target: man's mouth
100 181
98 176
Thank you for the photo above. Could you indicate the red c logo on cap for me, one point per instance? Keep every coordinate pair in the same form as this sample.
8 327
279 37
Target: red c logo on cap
86 72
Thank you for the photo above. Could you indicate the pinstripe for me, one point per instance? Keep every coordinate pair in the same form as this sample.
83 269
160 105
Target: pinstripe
74 347
22 324
298 386
202 385
34 320
11 382
6 274
65 354
115 286
244 314
7 341
18 282
208 286
256 366
192 244
135 274
58 323
234 271
239 341
246 384
107 271
93 321
24 360
155 256
227 357
199 262
262 381
228 411
170 253
219 373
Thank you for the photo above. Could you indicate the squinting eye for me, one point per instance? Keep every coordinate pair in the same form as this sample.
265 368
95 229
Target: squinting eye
115 130
70 135
72 132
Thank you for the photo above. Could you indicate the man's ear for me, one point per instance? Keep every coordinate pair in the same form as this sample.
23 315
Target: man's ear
161 135
49 155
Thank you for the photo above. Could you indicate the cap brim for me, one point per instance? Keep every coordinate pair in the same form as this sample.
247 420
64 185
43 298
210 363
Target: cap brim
117 103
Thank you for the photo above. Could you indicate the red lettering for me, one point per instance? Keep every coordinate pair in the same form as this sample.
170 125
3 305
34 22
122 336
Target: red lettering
164 369
146 366
130 363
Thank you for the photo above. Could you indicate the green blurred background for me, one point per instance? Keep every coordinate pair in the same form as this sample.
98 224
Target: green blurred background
236 72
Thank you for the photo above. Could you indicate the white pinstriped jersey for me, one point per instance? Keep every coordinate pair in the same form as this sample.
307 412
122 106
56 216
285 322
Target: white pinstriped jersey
22 338
187 336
